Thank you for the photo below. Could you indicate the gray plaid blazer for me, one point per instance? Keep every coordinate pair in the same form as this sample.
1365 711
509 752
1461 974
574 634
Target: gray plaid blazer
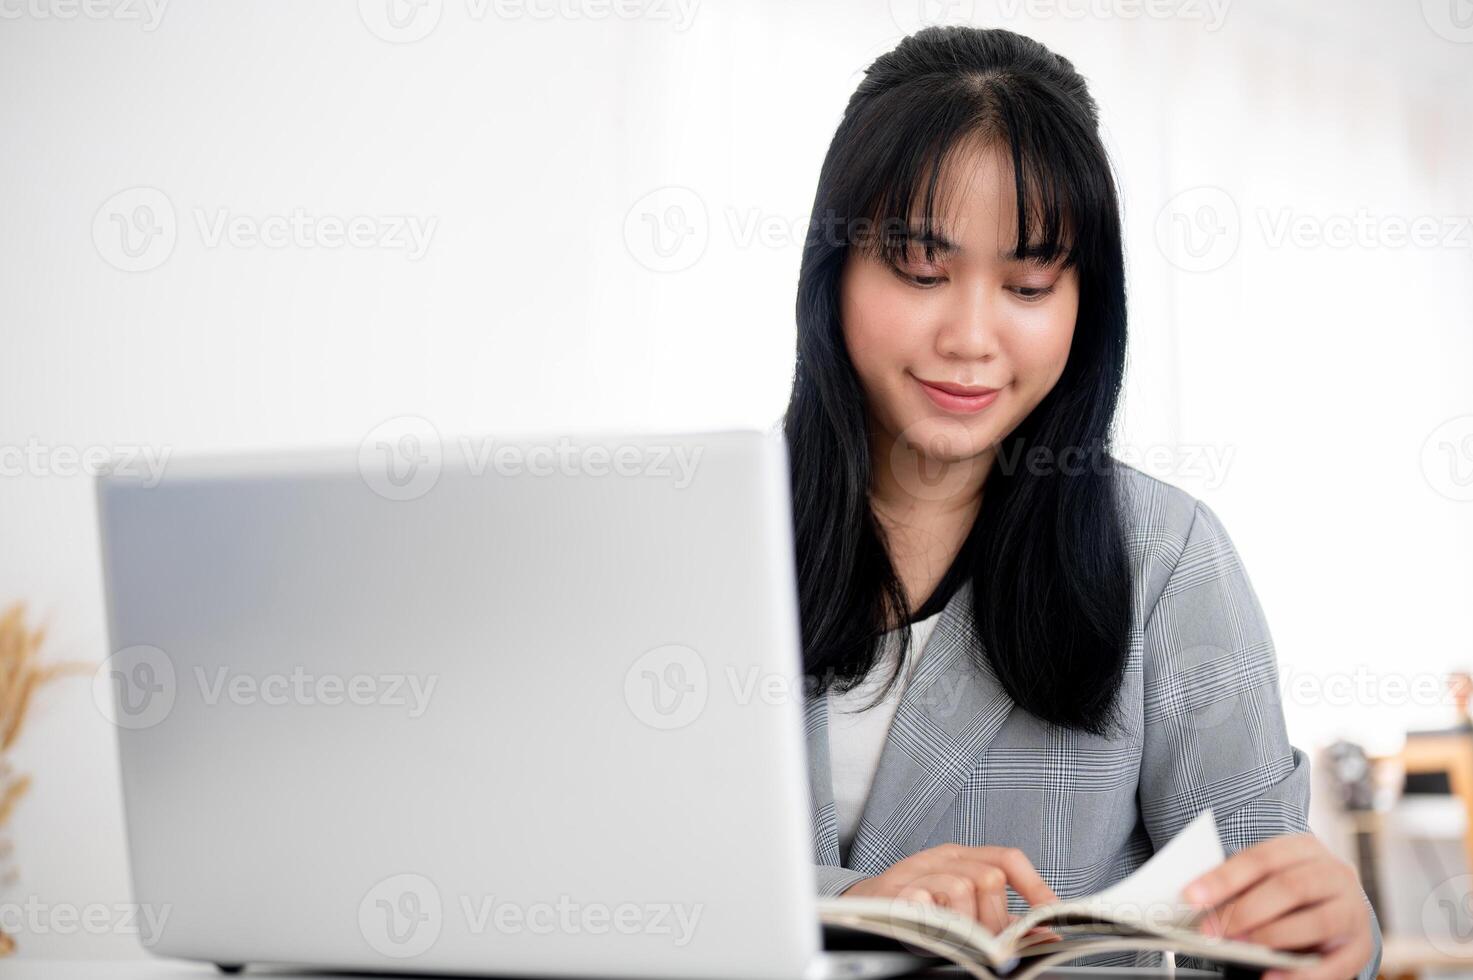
1203 728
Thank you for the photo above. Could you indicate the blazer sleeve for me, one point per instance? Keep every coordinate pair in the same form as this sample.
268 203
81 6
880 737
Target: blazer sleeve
832 880
1214 724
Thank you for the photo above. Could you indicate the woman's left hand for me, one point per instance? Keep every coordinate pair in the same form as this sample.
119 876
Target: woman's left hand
1290 892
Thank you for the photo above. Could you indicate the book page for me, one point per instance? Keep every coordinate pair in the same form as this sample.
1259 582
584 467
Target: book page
1155 887
1144 911
1151 896
961 932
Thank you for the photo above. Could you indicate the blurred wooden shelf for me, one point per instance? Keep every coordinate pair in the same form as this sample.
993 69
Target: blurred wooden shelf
1408 956
1448 752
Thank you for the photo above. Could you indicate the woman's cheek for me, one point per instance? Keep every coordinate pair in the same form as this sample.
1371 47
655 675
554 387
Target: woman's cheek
881 340
1040 347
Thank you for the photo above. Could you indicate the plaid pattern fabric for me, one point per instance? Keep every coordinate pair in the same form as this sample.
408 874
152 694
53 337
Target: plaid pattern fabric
1202 719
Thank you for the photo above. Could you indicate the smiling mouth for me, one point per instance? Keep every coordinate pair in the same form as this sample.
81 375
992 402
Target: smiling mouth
958 399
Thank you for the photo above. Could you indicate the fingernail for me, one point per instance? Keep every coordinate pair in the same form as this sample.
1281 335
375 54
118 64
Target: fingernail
1196 893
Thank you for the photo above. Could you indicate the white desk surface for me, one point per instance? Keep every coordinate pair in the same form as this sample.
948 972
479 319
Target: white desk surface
142 969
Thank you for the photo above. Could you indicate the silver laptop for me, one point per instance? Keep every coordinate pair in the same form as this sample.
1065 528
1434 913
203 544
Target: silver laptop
467 706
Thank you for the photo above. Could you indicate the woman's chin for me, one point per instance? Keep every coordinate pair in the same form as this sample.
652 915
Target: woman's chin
946 439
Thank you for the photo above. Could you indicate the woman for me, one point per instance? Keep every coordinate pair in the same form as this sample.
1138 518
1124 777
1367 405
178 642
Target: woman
1098 669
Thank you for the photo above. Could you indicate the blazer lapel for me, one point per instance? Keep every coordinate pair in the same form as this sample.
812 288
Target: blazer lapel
949 713
820 781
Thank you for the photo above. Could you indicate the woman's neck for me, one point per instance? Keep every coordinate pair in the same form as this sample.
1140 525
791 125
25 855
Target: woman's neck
925 508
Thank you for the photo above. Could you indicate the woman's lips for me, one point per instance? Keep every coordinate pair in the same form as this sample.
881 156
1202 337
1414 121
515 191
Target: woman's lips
960 399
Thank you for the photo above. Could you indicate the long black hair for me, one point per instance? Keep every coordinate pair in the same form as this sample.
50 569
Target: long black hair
1046 555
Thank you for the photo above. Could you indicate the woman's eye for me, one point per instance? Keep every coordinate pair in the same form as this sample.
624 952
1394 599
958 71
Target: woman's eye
1033 293
917 278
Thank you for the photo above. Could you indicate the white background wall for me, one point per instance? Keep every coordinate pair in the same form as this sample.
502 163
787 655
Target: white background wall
1292 383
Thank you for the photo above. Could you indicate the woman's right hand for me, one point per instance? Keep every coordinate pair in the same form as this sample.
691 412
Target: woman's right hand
969 880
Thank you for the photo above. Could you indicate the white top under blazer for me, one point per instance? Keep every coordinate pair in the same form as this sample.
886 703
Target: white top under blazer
856 738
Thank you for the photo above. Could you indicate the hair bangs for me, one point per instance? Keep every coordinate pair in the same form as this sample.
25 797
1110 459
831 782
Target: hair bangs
901 190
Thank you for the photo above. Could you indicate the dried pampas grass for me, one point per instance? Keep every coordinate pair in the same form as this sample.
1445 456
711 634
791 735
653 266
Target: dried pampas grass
21 675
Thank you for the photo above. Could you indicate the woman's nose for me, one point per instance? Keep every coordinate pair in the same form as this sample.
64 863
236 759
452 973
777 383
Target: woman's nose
970 324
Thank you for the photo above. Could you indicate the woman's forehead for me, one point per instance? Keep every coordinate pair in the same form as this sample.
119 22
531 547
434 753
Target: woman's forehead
975 203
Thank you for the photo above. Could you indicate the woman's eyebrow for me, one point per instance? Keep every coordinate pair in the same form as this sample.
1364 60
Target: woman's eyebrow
935 240
1036 253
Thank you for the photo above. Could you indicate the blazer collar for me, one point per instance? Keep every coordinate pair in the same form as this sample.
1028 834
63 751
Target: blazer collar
947 716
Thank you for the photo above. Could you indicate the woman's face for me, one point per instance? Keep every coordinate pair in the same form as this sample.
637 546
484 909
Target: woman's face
954 353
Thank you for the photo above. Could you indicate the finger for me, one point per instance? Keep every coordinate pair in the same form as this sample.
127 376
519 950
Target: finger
1249 866
958 893
989 892
1024 878
1313 927
992 902
989 881
988 885
953 892
1040 934
915 893
983 883
994 868
1347 961
1306 883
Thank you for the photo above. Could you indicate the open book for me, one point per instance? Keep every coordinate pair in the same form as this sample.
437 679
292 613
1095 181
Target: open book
1142 912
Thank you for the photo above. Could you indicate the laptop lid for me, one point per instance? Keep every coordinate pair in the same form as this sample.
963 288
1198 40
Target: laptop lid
486 707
